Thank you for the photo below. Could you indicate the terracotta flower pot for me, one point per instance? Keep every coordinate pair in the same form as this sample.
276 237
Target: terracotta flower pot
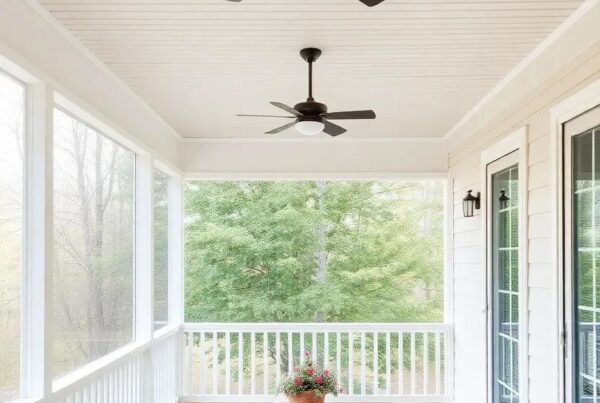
306 397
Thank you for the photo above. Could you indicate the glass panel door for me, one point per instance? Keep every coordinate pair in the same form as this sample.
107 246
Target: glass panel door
585 261
503 202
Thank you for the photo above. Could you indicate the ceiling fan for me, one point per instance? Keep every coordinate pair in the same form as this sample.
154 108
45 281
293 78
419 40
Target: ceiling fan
311 117
369 3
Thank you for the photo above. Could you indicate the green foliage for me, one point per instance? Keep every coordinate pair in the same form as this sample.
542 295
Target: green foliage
306 251
309 378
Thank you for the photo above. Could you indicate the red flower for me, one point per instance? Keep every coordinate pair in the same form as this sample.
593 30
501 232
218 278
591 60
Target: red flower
310 371
326 372
319 380
298 381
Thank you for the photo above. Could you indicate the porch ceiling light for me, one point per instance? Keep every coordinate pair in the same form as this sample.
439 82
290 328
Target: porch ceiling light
471 203
309 127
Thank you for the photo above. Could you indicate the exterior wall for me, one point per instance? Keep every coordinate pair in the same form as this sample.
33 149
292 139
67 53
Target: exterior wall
469 284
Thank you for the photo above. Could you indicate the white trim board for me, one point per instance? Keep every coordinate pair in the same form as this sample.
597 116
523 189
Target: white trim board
516 141
322 138
300 176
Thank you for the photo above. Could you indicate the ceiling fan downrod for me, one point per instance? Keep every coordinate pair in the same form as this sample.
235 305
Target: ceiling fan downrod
310 55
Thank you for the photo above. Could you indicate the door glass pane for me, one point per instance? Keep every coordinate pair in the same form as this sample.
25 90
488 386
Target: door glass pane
12 104
586 264
505 284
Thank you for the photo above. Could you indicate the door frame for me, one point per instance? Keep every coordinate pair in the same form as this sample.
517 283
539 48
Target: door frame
514 142
577 104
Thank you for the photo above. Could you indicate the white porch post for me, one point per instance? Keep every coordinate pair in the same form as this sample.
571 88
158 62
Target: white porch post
36 340
144 265
176 288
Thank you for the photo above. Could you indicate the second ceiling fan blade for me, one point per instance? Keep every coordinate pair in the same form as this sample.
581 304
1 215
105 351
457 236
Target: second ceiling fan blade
370 3
266 116
286 108
281 128
351 115
332 129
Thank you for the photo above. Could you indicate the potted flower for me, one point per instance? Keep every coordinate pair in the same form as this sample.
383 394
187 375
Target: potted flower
308 384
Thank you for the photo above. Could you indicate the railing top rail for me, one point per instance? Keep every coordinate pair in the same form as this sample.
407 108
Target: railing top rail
315 327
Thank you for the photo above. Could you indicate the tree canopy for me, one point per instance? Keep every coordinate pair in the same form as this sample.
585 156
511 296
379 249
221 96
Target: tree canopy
338 251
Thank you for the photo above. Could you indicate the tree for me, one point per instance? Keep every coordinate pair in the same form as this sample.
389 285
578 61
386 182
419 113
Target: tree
93 256
305 251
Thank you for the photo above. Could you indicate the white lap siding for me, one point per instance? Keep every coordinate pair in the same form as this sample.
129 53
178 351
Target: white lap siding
469 269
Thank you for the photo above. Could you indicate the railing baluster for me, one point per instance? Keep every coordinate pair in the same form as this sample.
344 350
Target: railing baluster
400 363
425 363
187 363
388 364
338 357
277 359
202 376
129 383
326 350
240 363
290 352
363 363
215 357
448 361
413 363
375 363
314 347
350 363
437 363
301 347
253 363
227 363
265 363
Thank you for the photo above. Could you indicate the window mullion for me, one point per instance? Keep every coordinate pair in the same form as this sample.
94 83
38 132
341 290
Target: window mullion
144 247
175 250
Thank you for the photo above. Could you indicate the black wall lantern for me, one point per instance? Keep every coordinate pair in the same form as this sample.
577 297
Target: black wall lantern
471 203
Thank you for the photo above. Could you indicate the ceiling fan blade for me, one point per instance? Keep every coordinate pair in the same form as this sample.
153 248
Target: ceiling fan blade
332 129
266 116
351 115
286 108
371 3
235 1
281 128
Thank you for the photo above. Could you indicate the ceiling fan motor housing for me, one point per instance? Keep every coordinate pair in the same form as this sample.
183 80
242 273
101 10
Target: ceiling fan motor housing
311 108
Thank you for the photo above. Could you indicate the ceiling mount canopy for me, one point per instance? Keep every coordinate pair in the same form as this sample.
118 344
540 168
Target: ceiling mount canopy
311 117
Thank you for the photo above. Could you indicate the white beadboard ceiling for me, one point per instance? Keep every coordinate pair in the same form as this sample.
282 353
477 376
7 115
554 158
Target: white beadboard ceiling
420 64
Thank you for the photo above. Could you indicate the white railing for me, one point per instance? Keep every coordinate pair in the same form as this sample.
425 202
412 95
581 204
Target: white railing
140 373
244 362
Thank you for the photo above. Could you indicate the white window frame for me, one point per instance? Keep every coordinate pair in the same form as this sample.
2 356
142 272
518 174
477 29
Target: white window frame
43 95
514 142
579 103
174 248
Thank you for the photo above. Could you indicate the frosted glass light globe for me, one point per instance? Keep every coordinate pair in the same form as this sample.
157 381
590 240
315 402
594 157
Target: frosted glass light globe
309 127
